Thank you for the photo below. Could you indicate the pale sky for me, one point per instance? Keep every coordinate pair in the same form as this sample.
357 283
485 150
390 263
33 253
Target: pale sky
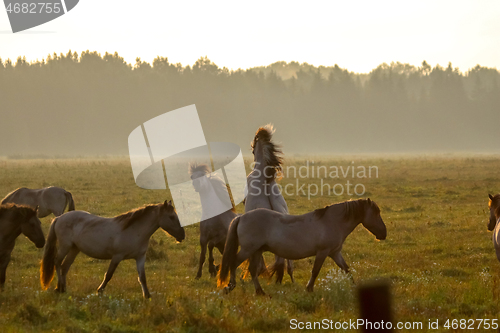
356 35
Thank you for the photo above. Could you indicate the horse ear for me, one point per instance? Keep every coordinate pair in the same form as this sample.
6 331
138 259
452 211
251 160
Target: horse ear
369 201
491 197
36 208
170 202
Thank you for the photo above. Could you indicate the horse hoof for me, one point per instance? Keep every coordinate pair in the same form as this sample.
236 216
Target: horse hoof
197 277
229 288
260 292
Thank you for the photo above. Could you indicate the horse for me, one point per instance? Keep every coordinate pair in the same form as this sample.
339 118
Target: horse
262 190
494 225
320 233
125 236
15 220
49 200
213 229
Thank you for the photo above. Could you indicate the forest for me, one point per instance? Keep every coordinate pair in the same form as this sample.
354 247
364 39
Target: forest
87 104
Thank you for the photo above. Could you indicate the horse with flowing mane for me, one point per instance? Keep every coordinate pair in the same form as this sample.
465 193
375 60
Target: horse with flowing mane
213 228
125 236
49 200
15 220
262 190
320 233
494 224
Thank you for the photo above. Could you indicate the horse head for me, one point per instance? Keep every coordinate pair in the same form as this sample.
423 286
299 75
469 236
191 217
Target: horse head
169 221
199 177
31 227
494 205
373 221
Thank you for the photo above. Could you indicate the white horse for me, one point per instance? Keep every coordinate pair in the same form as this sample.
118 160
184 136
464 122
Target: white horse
262 190
49 200
494 224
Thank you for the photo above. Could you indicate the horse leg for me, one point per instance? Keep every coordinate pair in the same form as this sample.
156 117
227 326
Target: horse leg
61 254
142 275
68 261
262 268
279 268
203 253
4 262
109 274
253 268
211 267
339 260
240 258
220 247
289 269
318 262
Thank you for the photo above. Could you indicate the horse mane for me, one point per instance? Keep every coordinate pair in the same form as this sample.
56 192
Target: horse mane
495 202
129 218
353 209
198 167
17 209
272 152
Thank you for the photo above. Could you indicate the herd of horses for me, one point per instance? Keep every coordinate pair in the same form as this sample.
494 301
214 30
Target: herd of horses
265 226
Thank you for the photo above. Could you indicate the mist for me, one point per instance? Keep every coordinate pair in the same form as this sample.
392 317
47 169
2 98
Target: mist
87 104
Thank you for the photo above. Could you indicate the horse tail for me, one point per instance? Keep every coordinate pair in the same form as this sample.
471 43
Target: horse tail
230 252
69 200
49 255
277 267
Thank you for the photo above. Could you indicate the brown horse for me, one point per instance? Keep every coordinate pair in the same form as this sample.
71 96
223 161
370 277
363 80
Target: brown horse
320 233
494 224
263 192
49 200
123 237
213 230
15 220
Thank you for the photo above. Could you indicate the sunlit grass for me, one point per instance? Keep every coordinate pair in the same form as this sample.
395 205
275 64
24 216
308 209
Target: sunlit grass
438 254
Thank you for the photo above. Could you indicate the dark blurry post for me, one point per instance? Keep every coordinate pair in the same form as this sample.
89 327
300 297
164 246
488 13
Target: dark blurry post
375 306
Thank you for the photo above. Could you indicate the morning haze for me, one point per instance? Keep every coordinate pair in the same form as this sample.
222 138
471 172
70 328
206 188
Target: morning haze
87 104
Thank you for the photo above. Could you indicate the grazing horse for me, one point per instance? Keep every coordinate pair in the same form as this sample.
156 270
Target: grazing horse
14 220
213 229
123 237
263 192
320 233
49 200
494 224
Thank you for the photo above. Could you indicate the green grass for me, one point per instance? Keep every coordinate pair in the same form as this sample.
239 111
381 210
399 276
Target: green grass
438 254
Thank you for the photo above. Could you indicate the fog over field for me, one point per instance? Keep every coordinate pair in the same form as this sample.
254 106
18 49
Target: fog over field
87 104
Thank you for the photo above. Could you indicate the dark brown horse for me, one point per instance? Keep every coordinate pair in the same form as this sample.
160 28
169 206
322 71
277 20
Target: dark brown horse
494 224
320 233
123 237
15 220
49 200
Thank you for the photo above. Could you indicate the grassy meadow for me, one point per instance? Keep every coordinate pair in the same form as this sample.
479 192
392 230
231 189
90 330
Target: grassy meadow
438 253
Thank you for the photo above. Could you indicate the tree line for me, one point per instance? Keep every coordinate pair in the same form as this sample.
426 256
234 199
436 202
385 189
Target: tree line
88 103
